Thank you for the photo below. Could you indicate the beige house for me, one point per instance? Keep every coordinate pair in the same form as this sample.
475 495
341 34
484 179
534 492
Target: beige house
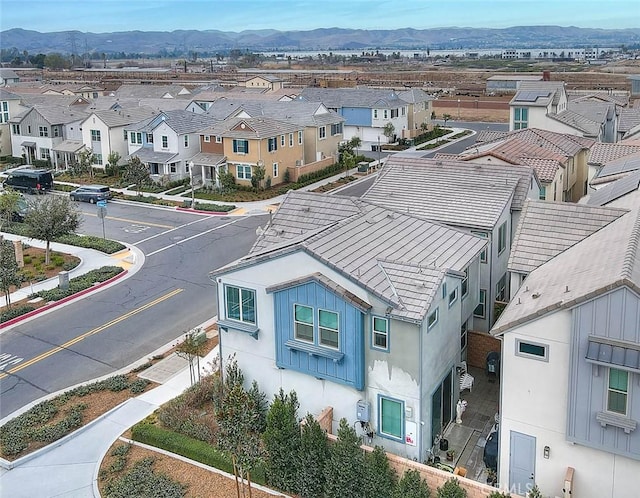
418 112
9 107
264 82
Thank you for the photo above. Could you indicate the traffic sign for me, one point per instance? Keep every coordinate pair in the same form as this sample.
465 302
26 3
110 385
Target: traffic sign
102 212
101 204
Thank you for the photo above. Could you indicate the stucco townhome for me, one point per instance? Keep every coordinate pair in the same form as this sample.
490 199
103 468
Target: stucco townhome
355 307
570 398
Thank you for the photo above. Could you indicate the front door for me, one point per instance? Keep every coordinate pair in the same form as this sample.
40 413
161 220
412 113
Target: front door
522 462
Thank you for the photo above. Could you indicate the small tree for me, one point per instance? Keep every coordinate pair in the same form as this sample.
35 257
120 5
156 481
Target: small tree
424 127
355 143
51 217
411 485
9 270
379 479
282 441
349 162
535 492
388 131
113 159
344 471
84 163
191 349
137 173
9 204
311 458
498 494
452 489
445 118
257 176
227 180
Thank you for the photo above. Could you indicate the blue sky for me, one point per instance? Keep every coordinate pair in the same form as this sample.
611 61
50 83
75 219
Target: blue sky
238 15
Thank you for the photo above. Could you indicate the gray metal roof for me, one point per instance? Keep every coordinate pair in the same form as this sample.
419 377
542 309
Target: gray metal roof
547 228
605 351
457 193
605 260
615 190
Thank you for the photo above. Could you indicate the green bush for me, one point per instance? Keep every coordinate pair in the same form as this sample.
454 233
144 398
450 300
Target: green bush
27 260
141 480
91 242
80 283
222 208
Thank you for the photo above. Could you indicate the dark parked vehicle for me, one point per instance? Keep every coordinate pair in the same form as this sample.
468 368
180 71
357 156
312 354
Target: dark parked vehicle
21 208
31 181
490 456
91 193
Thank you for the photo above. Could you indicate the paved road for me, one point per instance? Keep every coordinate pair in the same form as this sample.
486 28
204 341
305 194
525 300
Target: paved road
109 330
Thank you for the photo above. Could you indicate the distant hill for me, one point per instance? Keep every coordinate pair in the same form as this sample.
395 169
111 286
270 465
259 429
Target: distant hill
211 41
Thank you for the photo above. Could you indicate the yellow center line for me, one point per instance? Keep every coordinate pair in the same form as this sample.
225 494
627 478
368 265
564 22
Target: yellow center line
137 222
96 330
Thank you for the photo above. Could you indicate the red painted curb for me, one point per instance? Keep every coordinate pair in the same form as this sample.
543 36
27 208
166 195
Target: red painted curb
199 211
63 300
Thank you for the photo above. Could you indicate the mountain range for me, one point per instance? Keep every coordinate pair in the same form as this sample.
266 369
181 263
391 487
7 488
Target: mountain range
211 41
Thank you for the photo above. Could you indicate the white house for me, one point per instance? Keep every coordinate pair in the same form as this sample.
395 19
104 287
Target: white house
355 307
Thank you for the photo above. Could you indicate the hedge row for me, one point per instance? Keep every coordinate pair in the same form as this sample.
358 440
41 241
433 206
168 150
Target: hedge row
80 283
88 241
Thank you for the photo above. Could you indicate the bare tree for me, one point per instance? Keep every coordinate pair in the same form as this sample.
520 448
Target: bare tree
192 349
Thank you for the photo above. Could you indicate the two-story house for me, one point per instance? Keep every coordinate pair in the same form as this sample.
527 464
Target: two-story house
166 142
571 370
9 107
482 199
366 110
602 154
355 307
239 145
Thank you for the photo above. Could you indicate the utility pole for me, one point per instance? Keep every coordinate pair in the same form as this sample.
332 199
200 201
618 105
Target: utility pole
193 194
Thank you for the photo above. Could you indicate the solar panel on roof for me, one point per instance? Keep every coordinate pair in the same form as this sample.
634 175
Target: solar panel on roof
532 95
615 190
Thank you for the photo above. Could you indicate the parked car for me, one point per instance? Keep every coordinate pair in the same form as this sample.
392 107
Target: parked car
91 193
490 456
31 181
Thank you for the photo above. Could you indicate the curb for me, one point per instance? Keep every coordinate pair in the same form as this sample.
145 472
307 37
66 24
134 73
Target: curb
203 211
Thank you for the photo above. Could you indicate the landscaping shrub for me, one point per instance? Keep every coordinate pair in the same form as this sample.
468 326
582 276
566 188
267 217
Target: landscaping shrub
91 242
12 313
141 480
80 283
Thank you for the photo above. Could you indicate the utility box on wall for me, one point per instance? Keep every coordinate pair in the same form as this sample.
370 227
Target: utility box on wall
362 411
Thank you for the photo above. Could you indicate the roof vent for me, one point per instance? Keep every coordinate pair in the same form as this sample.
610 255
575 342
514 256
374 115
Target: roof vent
535 295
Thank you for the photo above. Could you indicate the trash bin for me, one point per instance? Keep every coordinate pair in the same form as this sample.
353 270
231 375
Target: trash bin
444 444
493 364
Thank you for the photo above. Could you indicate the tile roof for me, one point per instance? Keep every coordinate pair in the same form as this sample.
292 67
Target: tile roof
148 155
251 128
547 228
114 118
628 119
546 169
598 112
414 96
456 193
336 98
490 135
578 121
56 115
601 153
562 143
605 260
152 91
187 122
619 100
396 256
6 95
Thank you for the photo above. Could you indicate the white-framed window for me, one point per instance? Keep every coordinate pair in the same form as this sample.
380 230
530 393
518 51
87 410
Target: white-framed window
56 131
453 297
272 144
380 333
43 131
282 140
618 391
543 193
4 114
173 168
322 132
149 138
481 309
534 350
165 142
275 170
483 254
464 285
240 304
290 139
520 118
186 140
207 138
139 137
463 336
329 329
502 237
300 138
243 171
375 114
336 129
240 146
125 135
385 114
432 319
390 418
95 136
15 129
218 139
501 288
97 159
45 154
303 329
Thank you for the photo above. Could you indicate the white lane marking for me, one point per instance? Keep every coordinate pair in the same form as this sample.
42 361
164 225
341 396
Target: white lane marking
171 230
7 359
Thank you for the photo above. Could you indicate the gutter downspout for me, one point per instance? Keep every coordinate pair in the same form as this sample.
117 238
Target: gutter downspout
421 424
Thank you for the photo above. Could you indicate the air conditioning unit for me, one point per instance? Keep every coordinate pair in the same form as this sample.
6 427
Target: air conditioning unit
298 163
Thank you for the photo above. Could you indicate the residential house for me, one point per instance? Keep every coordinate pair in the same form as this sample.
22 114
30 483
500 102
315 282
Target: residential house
603 153
616 169
482 199
266 82
104 131
9 106
168 92
8 77
508 83
570 370
356 307
366 110
420 107
628 123
239 145
167 142
559 159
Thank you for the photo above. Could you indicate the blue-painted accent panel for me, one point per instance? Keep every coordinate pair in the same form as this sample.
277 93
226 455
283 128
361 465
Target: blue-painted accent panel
615 316
357 116
348 369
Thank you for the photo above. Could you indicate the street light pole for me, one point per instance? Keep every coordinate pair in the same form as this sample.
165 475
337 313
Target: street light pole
378 151
458 109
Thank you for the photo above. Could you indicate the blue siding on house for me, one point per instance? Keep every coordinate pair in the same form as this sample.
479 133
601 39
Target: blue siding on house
615 315
356 116
350 369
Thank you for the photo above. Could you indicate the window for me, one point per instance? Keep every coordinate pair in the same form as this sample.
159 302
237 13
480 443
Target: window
444 290
323 132
463 336
617 391
385 114
172 168
139 137
290 139
186 140
240 304
282 140
543 193
149 138
453 297
532 350
299 138
56 131
432 319
303 323
218 139
275 170
380 333
43 131
16 129
391 415
501 288
45 154
481 309
520 118
243 171
502 237
4 115
483 254
328 328
165 142
272 144
207 138
241 146
125 135
464 285
375 114
336 129
394 113
28 129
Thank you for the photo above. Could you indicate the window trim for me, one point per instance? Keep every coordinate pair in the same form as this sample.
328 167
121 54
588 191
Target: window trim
432 316
226 305
502 238
464 283
401 403
453 300
244 167
337 331
322 132
501 288
483 303
312 324
385 334
532 356
218 139
96 136
165 141
610 390
485 252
